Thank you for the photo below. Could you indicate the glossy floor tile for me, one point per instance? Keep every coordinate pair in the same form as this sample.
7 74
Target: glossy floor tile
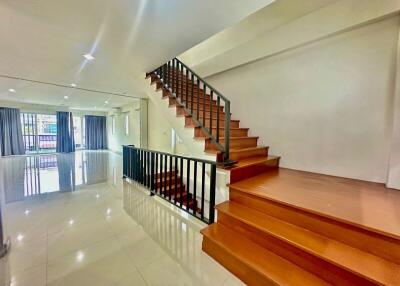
74 221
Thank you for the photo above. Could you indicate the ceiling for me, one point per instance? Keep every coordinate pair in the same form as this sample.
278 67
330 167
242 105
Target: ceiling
43 43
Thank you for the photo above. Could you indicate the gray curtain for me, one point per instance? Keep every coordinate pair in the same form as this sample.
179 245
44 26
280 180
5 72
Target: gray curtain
65 132
95 132
11 141
66 172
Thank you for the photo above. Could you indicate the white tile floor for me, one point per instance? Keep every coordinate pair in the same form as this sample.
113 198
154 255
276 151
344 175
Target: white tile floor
108 233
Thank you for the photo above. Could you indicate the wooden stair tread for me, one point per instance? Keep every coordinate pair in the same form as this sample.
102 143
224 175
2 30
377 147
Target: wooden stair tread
332 197
237 150
277 269
214 119
231 138
253 160
371 267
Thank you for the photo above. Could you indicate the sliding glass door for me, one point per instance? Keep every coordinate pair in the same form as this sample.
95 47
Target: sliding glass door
40 132
79 134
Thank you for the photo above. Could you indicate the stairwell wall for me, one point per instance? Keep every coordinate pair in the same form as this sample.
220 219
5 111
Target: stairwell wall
325 107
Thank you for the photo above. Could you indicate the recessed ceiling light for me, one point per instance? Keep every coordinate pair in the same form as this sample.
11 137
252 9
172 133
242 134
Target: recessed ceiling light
11 90
73 84
89 57
106 102
65 96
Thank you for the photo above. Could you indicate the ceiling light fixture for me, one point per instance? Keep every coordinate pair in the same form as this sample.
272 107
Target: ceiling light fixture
106 102
89 57
65 96
73 84
11 90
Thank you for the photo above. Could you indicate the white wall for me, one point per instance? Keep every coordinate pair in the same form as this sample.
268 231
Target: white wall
119 138
46 109
325 107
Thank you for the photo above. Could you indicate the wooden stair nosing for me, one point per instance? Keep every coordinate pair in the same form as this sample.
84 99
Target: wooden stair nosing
367 240
362 264
252 263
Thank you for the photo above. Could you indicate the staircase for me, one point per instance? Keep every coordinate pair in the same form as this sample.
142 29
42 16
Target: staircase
170 185
264 238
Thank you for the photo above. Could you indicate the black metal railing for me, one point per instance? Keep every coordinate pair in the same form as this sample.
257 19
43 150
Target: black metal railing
186 182
191 91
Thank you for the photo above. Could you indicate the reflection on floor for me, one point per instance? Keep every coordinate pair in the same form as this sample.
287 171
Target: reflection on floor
73 221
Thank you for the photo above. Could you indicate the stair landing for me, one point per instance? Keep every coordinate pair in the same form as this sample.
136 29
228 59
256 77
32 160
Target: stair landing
367 205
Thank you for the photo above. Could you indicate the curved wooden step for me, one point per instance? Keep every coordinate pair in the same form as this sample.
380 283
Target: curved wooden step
252 263
346 265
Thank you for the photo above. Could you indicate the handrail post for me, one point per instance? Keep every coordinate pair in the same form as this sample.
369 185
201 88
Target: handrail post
227 129
213 177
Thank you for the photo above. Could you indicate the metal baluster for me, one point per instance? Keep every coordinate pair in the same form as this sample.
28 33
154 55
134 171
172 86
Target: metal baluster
178 80
181 180
161 175
198 99
176 178
211 109
173 77
218 104
152 171
168 69
204 105
227 129
165 175
187 85
188 184
170 178
181 78
203 172
191 96
194 187
212 193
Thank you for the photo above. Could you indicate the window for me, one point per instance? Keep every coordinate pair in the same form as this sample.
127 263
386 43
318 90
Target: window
127 125
39 132
79 131
113 124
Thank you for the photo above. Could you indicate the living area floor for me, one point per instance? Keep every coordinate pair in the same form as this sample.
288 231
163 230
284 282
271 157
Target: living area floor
72 220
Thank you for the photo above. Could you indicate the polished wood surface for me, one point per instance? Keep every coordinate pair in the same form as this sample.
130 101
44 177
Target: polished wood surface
287 227
354 264
252 263
363 204
242 145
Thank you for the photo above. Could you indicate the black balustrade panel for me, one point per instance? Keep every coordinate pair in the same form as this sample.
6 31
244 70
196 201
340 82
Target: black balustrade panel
191 91
186 182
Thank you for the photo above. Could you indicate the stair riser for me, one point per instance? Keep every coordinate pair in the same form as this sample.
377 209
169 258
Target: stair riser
247 274
237 144
181 112
183 98
165 182
246 154
189 101
234 132
190 123
317 266
173 102
253 170
377 244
